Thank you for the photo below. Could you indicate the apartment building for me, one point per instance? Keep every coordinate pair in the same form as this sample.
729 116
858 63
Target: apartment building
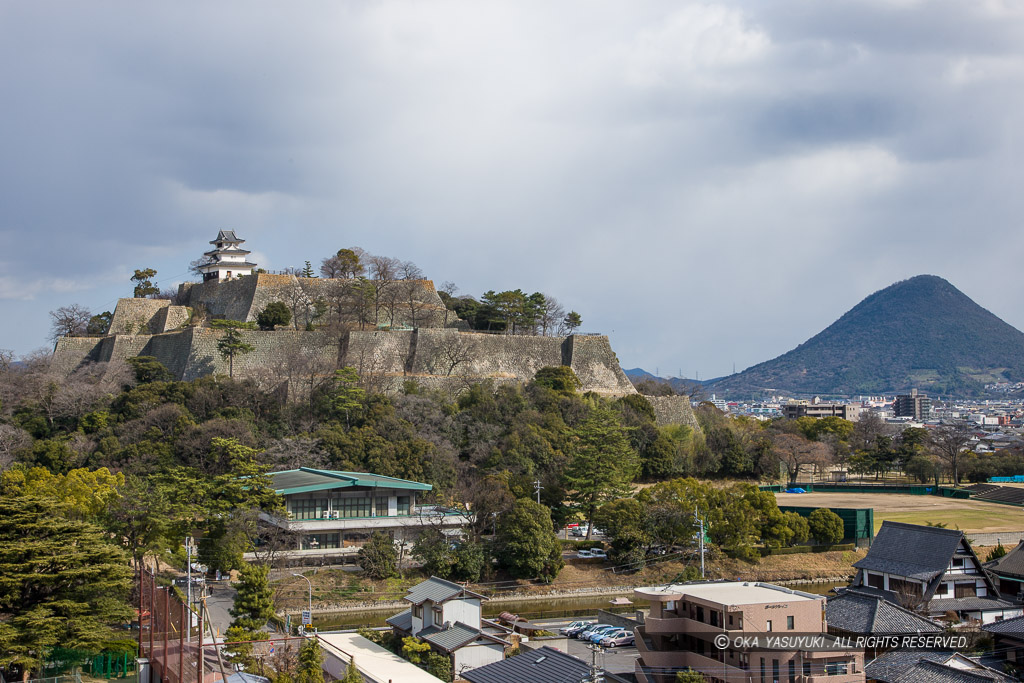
687 623
818 410
913 405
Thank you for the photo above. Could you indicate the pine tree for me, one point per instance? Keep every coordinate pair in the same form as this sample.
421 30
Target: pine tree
603 463
231 345
352 674
62 581
254 603
311 663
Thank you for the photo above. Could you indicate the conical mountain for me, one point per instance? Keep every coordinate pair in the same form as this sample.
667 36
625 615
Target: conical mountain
919 333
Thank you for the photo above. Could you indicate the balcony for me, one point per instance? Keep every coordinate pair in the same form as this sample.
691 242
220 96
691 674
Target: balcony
675 624
420 517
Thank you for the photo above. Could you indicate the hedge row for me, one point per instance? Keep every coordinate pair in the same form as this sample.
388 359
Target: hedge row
571 544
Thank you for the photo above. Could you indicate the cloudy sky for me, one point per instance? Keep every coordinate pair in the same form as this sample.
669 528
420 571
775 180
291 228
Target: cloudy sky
708 183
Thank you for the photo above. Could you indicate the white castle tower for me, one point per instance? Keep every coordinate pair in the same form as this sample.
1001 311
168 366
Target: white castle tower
227 260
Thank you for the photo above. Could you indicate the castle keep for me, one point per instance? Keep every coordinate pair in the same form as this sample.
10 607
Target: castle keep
390 332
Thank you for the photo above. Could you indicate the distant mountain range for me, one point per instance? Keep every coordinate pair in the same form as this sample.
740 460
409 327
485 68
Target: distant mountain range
920 333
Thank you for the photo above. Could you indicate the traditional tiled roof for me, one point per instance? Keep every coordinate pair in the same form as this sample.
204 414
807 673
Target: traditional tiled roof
226 236
437 591
402 621
970 604
917 552
1011 564
1007 627
306 479
855 611
456 636
902 666
544 665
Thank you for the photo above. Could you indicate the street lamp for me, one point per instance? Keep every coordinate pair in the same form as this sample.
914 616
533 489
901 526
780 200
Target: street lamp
310 598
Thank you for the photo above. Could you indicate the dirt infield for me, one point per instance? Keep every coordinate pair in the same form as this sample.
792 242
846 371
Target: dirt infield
968 515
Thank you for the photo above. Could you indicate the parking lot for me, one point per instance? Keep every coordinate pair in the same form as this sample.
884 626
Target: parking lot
614 660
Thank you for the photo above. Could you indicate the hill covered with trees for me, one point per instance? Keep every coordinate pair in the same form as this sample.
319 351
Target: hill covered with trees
922 333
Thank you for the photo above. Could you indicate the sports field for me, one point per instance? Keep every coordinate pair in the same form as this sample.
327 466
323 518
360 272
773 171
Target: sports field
966 515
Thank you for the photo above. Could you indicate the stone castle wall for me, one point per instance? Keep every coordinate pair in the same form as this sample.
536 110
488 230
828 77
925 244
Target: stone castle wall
412 303
673 410
444 359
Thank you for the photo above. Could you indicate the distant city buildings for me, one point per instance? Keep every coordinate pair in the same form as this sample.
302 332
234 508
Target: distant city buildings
913 405
818 409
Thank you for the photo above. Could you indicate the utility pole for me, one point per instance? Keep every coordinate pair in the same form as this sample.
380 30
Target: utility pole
596 672
537 487
188 589
310 601
700 537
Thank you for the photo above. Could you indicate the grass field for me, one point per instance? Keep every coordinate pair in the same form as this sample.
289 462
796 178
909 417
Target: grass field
967 515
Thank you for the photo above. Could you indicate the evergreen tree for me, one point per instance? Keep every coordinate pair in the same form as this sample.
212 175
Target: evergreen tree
275 313
62 581
352 674
378 556
826 527
231 345
144 286
526 545
603 463
311 663
254 603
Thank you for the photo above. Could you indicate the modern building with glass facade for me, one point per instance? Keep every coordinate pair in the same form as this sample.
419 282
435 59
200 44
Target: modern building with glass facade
333 513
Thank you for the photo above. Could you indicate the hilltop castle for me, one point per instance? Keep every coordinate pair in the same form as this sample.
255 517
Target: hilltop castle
391 331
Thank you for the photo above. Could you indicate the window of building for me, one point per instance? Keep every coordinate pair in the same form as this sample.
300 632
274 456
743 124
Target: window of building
762 670
403 505
355 539
876 580
775 670
943 589
965 590
730 620
700 614
354 507
320 541
714 619
382 507
768 627
789 623
807 668
836 668
792 671
417 611
309 508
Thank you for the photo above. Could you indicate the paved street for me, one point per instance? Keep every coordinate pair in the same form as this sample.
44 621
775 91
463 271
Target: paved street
221 600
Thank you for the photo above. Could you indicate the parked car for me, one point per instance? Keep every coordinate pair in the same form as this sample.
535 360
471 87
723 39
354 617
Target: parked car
580 530
596 636
573 631
611 633
598 552
619 639
573 627
582 635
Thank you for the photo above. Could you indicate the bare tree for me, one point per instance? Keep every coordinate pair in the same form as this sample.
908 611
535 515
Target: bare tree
795 450
69 321
12 439
384 272
452 351
551 315
411 293
949 442
447 295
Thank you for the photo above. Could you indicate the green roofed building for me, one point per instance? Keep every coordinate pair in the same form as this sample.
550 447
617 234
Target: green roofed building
333 513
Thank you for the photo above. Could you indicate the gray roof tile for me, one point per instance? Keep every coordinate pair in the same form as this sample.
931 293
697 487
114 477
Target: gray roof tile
899 666
456 636
544 665
438 590
855 611
402 621
1010 564
918 552
968 604
1010 627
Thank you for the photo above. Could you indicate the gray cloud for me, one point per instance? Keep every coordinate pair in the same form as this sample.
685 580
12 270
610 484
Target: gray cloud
709 183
